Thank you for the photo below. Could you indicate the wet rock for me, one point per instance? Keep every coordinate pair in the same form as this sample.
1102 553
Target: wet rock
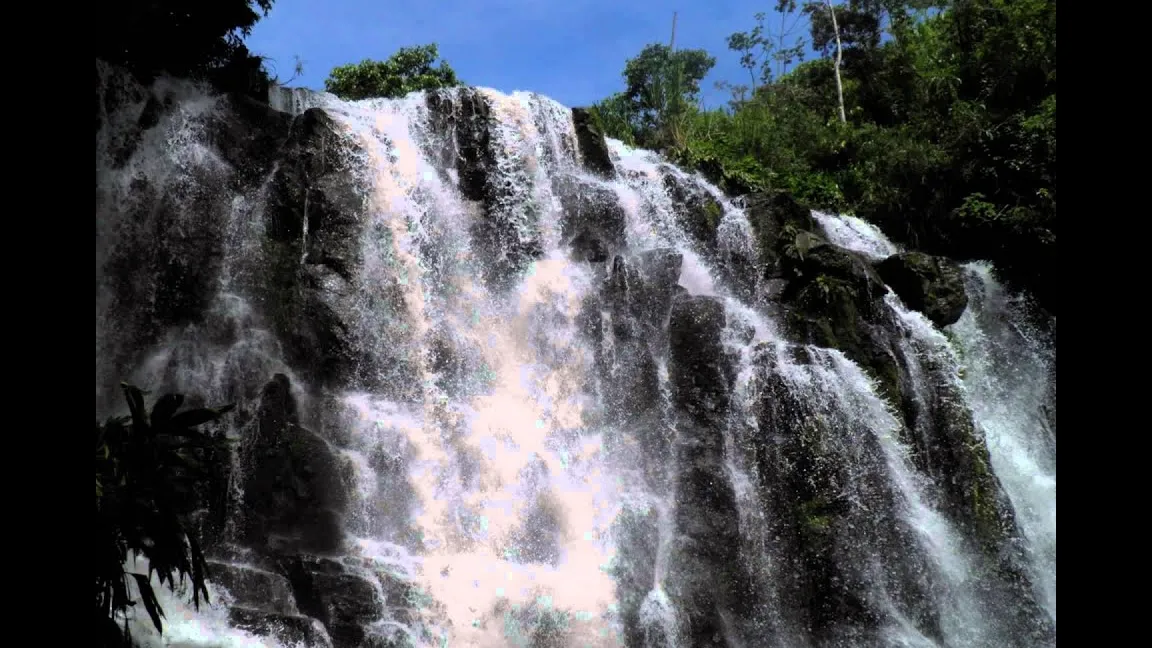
637 294
698 383
930 284
823 487
660 272
255 589
314 217
712 580
249 136
637 541
592 220
593 148
345 602
776 219
695 209
466 113
293 494
506 239
290 629
835 300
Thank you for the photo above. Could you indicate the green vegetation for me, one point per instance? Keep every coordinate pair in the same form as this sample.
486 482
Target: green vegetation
408 70
945 134
147 469
185 39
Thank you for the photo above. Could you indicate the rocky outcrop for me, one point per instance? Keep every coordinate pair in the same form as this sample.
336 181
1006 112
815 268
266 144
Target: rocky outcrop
637 297
290 629
590 141
818 484
507 236
712 585
835 298
929 284
776 219
313 219
280 571
696 211
592 220
293 491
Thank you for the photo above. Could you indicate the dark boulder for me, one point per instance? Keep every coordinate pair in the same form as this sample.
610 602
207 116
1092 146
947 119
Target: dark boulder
342 599
293 493
835 299
314 191
592 221
252 588
290 629
698 379
776 218
466 113
696 210
590 140
930 284
713 585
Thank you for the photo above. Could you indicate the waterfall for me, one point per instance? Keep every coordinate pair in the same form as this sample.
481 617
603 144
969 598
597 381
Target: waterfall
492 394
1010 380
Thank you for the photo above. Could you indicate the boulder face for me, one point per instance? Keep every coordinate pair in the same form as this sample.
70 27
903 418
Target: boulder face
930 284
590 140
776 218
592 221
293 493
253 269
713 583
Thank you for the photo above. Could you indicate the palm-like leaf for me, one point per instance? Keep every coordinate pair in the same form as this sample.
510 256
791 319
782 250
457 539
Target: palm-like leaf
146 468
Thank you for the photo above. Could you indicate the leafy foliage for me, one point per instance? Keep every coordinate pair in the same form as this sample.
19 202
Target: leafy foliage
186 39
662 87
950 140
147 467
408 70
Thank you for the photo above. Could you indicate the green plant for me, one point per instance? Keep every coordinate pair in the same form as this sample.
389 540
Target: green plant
186 39
147 468
408 70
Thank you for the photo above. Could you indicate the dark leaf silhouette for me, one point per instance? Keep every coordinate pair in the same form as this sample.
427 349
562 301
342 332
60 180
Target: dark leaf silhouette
147 468
181 423
165 407
149 599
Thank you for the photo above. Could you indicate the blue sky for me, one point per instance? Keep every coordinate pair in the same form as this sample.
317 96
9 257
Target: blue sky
570 50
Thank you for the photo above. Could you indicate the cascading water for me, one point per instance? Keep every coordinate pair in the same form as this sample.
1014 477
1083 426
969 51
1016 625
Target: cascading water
492 395
1010 380
1004 363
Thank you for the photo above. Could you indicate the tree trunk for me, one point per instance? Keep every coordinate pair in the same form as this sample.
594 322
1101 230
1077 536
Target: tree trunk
839 58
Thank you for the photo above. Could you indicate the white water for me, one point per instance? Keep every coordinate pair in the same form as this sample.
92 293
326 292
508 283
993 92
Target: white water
1007 374
524 443
856 234
1002 364
185 626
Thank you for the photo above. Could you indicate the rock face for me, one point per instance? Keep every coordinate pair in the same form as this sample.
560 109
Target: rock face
775 508
714 583
293 494
592 222
593 149
930 284
315 214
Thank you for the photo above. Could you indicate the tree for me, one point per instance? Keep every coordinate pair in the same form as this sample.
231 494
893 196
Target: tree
660 85
185 39
408 70
773 48
147 469
826 32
